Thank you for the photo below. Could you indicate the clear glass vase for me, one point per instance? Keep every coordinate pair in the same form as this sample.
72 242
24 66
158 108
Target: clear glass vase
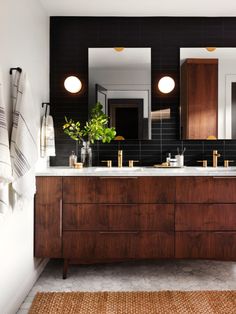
86 154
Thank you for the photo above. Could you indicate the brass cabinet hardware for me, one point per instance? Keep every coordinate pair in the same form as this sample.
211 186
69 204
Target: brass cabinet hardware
131 163
116 177
60 227
119 232
109 163
204 163
226 162
215 158
224 177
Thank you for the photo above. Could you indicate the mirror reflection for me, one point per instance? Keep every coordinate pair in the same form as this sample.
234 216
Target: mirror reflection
120 79
208 93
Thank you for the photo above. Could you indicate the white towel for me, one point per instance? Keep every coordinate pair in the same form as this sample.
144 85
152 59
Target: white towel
24 151
5 161
47 137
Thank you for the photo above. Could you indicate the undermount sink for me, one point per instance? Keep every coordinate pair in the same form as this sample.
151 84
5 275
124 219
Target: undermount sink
117 169
216 169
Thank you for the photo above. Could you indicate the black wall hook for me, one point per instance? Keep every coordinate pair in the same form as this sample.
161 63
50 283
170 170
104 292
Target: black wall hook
15 69
47 105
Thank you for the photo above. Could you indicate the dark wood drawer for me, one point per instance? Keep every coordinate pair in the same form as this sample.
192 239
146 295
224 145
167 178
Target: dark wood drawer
206 189
118 217
118 190
156 190
79 189
193 189
92 246
206 245
223 190
205 217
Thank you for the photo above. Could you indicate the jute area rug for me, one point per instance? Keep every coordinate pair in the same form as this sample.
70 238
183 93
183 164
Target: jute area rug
163 302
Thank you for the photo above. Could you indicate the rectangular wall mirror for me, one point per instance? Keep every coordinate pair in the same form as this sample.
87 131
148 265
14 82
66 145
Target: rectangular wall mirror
208 93
120 79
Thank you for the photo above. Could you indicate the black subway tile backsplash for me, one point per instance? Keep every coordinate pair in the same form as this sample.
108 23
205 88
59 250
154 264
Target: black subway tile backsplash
70 38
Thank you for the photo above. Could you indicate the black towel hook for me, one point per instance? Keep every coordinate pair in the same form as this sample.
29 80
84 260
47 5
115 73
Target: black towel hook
15 69
47 105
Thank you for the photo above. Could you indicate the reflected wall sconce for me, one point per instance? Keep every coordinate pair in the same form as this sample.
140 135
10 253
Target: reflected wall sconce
210 49
166 84
119 49
72 84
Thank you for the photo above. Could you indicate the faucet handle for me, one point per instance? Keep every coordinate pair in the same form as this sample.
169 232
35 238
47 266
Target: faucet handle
109 163
131 163
215 152
226 162
204 163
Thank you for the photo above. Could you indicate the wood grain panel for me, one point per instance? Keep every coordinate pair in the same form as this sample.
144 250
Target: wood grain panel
206 245
223 190
48 217
79 189
117 245
117 190
118 217
156 189
200 98
205 217
193 189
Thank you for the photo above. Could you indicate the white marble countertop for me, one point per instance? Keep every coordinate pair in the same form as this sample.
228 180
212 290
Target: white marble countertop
138 171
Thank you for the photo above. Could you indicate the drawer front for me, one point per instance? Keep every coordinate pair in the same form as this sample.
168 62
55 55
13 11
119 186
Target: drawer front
156 189
205 217
206 189
193 189
118 217
223 190
79 189
92 246
206 245
118 190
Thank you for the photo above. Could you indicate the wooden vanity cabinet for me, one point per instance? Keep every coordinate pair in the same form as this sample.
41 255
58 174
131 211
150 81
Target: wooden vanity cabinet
92 219
205 218
199 98
123 218
48 217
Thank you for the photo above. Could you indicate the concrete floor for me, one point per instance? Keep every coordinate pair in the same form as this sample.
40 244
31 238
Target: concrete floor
136 276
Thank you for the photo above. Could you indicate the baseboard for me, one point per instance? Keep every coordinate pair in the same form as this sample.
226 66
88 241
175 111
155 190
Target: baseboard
26 286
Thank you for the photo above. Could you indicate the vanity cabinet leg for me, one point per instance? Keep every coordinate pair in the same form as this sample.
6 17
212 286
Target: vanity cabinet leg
65 268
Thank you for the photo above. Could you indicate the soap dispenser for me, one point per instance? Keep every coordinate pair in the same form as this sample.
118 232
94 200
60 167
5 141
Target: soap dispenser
168 158
72 159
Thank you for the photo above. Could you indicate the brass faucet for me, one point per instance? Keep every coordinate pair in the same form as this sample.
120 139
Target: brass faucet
215 158
120 158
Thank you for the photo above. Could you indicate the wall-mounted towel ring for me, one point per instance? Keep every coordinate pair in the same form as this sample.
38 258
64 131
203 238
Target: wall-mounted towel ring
15 69
47 107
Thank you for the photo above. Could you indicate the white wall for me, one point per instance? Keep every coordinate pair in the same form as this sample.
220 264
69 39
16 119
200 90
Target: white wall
24 42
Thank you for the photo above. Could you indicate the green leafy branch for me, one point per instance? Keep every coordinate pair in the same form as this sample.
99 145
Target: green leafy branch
94 129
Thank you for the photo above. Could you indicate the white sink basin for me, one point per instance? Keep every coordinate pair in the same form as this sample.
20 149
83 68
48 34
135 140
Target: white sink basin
216 169
116 169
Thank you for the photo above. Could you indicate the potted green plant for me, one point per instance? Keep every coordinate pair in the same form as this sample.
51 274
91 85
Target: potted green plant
95 129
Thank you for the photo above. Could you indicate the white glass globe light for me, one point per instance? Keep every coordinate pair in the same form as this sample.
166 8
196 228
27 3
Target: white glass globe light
72 84
166 84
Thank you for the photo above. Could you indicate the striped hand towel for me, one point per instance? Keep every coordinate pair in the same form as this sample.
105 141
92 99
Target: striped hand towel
24 150
5 161
47 137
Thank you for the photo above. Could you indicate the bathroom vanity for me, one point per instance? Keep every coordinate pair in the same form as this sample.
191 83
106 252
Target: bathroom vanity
101 215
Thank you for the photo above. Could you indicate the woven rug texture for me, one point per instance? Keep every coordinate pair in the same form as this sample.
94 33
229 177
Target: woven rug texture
162 302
